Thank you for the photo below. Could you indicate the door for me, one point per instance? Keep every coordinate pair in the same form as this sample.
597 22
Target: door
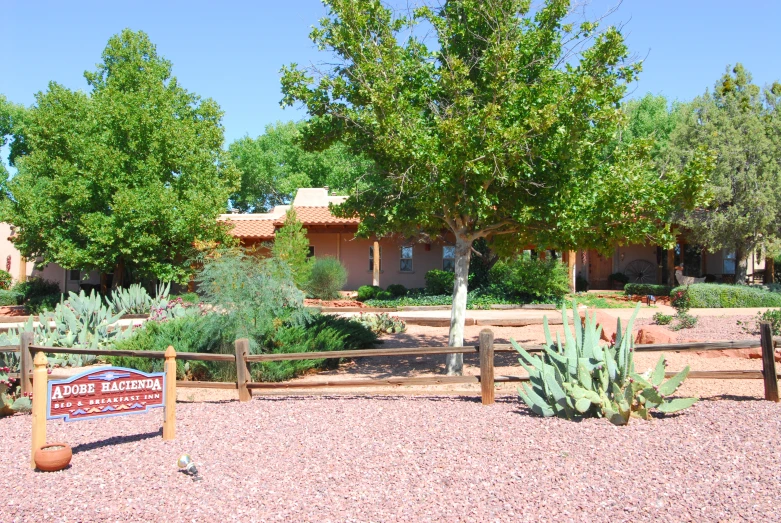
599 270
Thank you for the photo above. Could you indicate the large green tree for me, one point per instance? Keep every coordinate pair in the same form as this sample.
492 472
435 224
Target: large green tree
11 118
740 123
503 127
275 164
127 177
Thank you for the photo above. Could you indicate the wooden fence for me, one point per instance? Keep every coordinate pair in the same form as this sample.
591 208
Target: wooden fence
486 350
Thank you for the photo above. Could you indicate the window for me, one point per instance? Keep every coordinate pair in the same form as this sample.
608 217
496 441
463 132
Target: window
371 257
729 262
449 258
75 275
405 264
311 251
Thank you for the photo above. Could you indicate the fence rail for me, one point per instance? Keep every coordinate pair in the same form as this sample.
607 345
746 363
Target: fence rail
486 350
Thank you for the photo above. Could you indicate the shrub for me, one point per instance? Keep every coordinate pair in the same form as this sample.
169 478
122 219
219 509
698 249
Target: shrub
439 282
187 334
644 289
601 383
367 292
6 280
662 319
188 297
397 290
680 299
618 277
39 304
771 315
685 321
720 295
9 298
254 295
383 296
323 333
382 323
326 278
36 287
523 279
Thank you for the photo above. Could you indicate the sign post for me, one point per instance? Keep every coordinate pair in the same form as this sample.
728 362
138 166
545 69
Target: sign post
40 375
101 393
169 421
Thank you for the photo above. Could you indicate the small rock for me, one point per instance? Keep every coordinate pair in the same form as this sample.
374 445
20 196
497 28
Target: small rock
654 334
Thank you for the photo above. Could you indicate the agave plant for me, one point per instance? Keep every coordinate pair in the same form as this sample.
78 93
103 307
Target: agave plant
82 321
133 300
582 378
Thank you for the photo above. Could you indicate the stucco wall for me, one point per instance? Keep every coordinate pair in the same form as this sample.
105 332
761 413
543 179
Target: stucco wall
354 255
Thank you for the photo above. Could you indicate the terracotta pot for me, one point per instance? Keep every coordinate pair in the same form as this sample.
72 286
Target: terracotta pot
53 456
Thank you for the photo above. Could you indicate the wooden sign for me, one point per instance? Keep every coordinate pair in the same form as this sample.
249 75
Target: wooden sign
100 393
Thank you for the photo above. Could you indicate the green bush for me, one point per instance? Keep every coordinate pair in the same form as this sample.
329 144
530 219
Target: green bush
187 334
523 279
645 289
188 297
323 334
716 295
9 298
397 290
38 304
36 287
476 299
6 280
326 278
662 319
367 292
383 296
684 321
439 282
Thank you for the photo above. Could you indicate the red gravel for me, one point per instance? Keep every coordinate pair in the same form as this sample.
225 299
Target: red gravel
402 459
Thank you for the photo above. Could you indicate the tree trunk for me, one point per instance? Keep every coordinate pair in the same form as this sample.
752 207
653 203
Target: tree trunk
741 266
454 363
119 274
770 270
103 283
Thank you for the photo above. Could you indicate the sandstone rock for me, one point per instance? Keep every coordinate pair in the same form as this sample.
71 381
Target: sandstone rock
607 322
649 334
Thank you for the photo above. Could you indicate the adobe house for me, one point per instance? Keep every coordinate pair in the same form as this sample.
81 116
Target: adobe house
399 260
406 261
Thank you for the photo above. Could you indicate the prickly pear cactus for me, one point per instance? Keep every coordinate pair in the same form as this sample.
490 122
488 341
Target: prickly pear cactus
581 378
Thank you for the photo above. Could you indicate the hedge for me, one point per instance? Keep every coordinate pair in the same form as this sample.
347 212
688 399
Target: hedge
644 289
714 295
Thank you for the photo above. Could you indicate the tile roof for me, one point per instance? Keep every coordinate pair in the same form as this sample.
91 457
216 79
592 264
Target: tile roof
318 216
262 229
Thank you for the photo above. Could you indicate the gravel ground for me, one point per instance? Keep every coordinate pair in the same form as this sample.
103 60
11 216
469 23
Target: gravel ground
711 328
402 459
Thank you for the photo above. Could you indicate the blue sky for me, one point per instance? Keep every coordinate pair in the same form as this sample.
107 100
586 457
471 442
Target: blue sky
232 51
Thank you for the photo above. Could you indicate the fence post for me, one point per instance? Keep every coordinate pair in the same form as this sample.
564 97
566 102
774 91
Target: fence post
242 369
169 421
487 366
26 362
40 378
768 361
